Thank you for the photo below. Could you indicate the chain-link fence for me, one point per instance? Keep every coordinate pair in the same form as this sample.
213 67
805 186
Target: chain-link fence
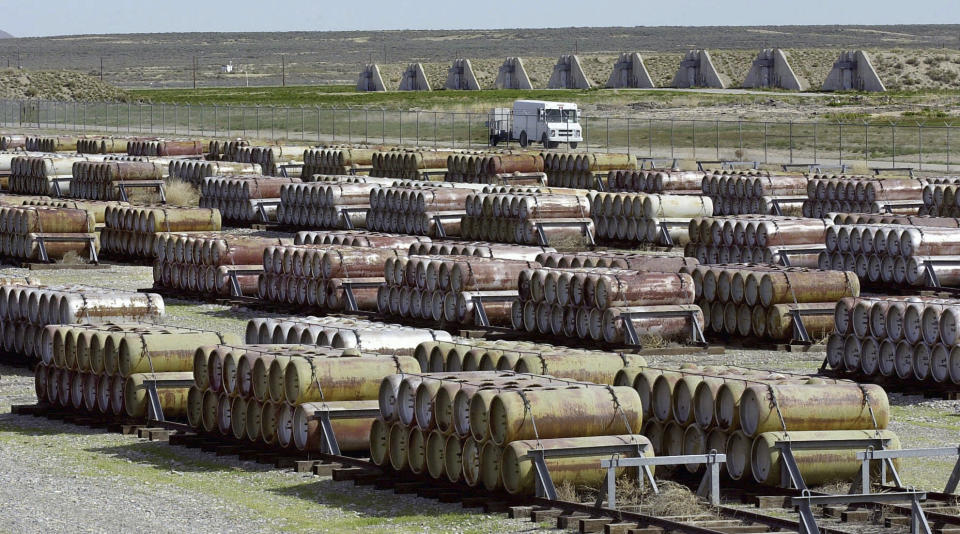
917 145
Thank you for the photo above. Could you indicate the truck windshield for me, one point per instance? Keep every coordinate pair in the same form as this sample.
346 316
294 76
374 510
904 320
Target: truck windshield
561 115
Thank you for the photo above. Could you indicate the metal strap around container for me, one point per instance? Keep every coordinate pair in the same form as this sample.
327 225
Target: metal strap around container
543 363
617 407
866 401
775 404
529 410
145 352
469 270
316 380
793 293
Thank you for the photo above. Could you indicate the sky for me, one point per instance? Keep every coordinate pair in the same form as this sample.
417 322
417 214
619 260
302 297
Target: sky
68 17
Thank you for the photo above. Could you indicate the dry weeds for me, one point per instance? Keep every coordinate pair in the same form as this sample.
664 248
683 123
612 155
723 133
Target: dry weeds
673 499
72 258
180 193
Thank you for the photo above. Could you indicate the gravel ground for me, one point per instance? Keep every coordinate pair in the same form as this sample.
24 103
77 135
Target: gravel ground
99 482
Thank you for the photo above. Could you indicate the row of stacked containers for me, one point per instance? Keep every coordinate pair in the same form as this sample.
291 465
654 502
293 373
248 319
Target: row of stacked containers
457 409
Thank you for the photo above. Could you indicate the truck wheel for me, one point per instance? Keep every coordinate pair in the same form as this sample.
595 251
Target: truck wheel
554 144
546 142
573 145
494 139
523 139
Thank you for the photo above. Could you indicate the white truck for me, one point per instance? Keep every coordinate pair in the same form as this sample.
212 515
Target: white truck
532 121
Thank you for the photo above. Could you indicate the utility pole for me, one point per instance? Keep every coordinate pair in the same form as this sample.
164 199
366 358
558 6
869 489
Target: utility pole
194 72
19 63
283 70
101 68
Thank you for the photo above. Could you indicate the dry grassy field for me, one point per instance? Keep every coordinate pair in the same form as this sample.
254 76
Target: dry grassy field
908 57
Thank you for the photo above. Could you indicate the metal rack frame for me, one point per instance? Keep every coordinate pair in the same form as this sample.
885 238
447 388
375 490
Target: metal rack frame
542 236
158 185
633 338
438 219
544 482
886 455
726 164
799 329
480 313
152 385
808 520
778 210
90 240
262 213
709 488
790 476
351 299
235 290
328 438
345 213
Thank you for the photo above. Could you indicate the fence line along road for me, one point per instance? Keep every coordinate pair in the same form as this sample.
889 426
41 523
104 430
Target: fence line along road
922 146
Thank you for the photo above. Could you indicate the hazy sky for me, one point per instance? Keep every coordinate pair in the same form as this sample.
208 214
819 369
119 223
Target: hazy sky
65 17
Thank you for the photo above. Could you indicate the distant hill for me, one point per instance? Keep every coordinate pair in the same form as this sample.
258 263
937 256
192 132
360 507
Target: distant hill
5 35
57 85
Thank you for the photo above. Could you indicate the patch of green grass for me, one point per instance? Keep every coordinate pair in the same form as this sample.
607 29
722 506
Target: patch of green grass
343 96
927 417
285 502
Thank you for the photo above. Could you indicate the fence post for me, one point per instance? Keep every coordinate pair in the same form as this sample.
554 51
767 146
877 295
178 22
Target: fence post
366 124
608 135
672 155
650 138
948 144
436 122
469 130
791 141
628 136
318 124
400 113
740 138
383 125
920 146
273 122
815 142
718 139
694 130
893 139
840 125
866 144
764 142
418 128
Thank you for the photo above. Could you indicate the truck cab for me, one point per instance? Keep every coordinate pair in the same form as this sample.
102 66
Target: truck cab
549 123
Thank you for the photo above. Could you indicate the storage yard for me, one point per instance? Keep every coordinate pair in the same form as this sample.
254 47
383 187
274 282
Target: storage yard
242 330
